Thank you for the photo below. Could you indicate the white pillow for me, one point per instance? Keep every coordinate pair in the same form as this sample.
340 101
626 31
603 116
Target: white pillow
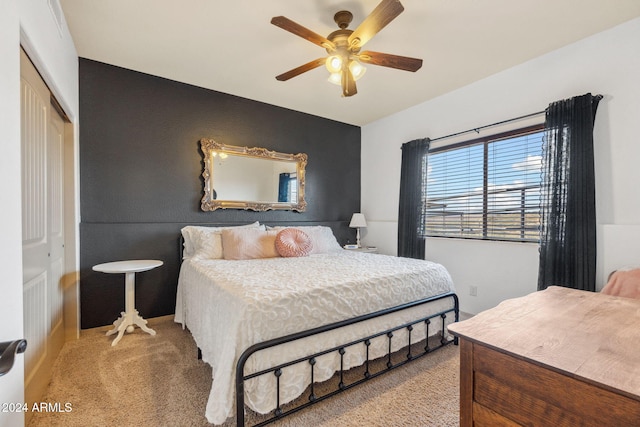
206 242
321 236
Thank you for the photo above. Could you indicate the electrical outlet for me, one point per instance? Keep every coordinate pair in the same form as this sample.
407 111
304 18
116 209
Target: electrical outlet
473 291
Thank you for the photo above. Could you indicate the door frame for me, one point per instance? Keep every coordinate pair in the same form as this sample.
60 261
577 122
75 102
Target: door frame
69 281
28 24
71 276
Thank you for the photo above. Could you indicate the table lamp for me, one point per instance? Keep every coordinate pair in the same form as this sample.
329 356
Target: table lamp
358 221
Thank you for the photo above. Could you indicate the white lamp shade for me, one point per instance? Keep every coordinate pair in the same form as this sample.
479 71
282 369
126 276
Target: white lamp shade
358 220
357 70
334 63
335 78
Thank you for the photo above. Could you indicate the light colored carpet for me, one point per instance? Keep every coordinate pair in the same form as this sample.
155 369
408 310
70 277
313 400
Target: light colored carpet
158 381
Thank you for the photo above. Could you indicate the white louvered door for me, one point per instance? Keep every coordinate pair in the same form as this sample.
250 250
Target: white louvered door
42 229
55 205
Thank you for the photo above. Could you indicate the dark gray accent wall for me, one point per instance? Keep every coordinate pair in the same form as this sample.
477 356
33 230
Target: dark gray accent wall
140 176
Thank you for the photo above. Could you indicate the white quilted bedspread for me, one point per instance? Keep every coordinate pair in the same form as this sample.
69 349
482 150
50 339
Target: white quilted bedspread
231 305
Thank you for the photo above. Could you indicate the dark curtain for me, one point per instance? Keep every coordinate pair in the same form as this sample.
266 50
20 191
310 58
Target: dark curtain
568 210
283 187
414 159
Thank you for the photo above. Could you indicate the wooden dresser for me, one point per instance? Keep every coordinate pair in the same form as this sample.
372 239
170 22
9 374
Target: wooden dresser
558 357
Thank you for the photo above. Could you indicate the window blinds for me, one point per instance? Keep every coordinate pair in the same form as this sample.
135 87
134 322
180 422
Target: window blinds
488 188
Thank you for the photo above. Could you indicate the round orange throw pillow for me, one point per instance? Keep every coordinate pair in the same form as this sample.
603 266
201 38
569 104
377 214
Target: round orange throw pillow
292 242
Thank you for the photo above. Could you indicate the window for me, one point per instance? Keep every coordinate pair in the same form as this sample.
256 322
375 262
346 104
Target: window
288 187
488 188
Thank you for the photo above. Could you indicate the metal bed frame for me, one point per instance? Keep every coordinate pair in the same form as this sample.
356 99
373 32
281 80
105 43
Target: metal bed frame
279 413
276 371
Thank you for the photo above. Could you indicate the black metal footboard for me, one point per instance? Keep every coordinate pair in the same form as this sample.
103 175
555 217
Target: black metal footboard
411 355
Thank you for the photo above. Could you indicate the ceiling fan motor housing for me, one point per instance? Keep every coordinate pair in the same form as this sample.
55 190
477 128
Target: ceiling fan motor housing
343 18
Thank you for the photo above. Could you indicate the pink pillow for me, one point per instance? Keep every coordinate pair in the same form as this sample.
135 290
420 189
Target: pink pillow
624 283
248 243
322 238
292 242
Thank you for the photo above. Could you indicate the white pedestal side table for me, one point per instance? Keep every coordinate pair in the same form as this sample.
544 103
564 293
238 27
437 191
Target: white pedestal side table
129 318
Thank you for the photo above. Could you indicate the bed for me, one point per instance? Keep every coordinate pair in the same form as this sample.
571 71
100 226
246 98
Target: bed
336 309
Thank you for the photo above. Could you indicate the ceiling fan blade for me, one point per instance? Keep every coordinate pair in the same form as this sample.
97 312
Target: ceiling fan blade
391 61
301 69
297 29
384 13
348 83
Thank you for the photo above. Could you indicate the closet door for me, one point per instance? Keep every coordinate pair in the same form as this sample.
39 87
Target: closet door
55 210
42 230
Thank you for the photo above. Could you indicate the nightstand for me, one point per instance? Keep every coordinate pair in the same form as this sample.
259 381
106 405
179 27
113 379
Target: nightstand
129 318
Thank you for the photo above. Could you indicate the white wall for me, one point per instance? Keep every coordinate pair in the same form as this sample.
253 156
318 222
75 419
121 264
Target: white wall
607 63
10 249
30 23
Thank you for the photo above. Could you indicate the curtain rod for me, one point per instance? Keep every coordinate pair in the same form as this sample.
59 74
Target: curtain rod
477 130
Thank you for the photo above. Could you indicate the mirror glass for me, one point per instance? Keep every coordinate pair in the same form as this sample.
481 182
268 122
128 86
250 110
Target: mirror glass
251 178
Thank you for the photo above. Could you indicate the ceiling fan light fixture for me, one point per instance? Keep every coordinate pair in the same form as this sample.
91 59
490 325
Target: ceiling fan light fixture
335 78
334 63
357 69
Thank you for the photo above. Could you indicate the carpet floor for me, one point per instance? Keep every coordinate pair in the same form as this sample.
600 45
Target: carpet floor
158 381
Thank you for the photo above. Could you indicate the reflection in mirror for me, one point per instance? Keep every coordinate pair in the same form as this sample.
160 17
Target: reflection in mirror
251 178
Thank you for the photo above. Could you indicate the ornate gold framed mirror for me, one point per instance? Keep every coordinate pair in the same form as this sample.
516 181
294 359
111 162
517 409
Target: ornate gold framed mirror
251 178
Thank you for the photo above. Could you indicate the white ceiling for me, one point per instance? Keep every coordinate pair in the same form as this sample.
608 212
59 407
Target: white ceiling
230 46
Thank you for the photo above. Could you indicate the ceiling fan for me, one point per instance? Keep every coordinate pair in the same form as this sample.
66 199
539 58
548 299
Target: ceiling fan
343 46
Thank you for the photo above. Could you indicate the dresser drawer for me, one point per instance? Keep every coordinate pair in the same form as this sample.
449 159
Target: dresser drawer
513 391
